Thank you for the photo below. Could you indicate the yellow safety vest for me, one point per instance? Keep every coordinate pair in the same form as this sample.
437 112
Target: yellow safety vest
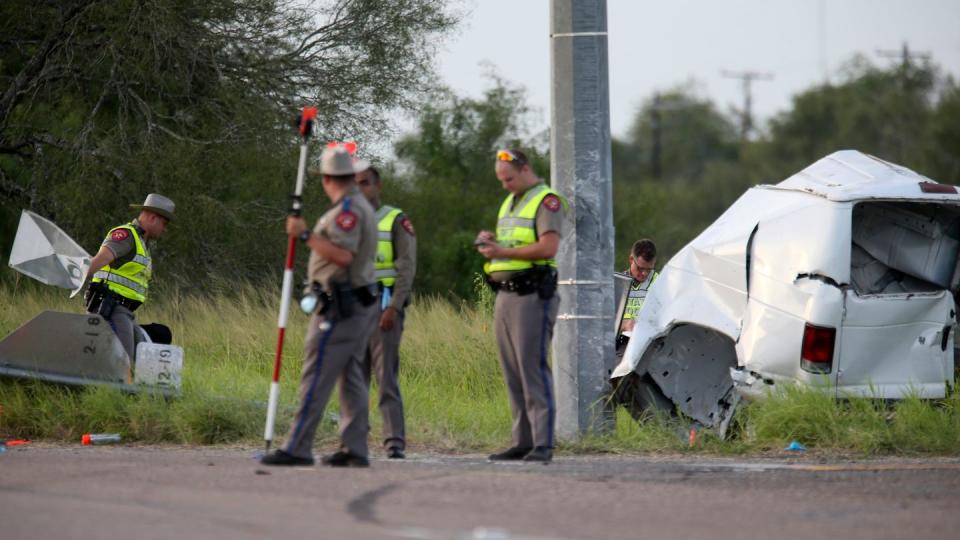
384 268
130 280
516 228
637 295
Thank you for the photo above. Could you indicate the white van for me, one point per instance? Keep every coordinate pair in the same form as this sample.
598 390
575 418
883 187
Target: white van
842 275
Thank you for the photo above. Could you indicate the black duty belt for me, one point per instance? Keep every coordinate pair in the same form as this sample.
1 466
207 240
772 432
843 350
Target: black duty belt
520 285
539 279
99 299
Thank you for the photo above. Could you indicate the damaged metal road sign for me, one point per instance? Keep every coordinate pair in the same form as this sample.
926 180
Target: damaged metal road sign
42 250
76 348
82 349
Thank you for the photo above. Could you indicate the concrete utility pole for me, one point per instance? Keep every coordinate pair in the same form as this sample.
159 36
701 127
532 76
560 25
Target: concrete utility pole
583 348
747 78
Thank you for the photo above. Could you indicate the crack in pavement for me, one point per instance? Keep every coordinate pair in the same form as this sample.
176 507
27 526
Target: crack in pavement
363 507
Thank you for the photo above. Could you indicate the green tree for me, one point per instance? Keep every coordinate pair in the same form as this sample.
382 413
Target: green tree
448 186
674 135
884 112
907 114
942 155
102 101
665 172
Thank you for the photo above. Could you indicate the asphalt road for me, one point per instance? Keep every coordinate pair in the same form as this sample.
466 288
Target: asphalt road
121 492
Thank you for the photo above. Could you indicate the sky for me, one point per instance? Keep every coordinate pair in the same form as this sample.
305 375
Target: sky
656 45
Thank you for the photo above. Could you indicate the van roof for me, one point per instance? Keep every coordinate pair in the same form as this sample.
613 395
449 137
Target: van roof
849 175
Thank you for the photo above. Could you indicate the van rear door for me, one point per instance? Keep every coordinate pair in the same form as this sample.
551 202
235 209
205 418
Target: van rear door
896 338
892 346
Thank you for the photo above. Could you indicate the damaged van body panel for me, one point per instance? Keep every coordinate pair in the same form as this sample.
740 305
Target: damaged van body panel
896 345
842 276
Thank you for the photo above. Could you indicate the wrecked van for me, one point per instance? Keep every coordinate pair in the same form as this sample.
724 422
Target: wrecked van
841 276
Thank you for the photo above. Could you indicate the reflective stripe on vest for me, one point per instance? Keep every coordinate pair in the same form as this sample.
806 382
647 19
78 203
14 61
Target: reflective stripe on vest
637 296
131 279
516 227
122 281
384 268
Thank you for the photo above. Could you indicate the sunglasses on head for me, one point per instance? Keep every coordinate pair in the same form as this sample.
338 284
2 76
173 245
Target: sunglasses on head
349 146
507 155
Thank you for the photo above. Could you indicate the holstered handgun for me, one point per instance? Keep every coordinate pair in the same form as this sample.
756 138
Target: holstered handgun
548 281
340 303
99 299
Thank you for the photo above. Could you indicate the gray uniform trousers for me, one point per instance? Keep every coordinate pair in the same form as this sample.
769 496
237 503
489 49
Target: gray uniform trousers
524 328
125 326
383 359
334 355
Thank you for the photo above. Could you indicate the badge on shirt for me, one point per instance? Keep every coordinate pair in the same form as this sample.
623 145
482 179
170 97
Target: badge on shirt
551 203
119 235
407 226
346 220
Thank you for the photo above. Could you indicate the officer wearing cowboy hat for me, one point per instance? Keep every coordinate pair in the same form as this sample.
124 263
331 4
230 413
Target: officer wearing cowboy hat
343 246
121 272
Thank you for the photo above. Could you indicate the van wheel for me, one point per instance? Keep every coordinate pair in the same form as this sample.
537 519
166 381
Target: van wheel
640 396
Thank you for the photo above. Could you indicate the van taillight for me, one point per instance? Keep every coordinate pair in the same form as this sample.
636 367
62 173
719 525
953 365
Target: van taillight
816 355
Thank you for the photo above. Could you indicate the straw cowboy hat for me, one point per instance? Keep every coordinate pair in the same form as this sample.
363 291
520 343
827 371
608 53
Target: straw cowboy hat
158 204
336 160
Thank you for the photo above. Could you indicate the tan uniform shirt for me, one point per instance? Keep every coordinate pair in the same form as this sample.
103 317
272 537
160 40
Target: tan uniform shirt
350 224
121 243
549 218
404 259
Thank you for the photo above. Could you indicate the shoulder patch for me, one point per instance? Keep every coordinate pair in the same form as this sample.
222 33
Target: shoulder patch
551 202
119 235
407 226
346 220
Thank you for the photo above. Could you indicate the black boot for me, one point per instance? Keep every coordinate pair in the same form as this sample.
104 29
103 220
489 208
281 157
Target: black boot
542 454
345 459
280 457
514 453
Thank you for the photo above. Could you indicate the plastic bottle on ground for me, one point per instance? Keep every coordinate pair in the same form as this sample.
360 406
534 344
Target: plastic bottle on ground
99 438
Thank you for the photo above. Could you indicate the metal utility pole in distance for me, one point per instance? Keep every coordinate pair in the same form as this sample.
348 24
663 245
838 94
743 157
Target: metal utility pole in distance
657 107
583 342
747 78
656 127
905 55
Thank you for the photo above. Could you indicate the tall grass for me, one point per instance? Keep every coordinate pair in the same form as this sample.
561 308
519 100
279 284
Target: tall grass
450 377
859 425
229 341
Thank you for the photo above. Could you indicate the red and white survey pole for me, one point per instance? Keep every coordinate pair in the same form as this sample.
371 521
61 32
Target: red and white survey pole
305 124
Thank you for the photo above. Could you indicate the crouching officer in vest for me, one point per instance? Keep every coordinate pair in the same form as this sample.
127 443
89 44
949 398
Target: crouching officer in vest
642 272
395 266
121 273
523 271
342 245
